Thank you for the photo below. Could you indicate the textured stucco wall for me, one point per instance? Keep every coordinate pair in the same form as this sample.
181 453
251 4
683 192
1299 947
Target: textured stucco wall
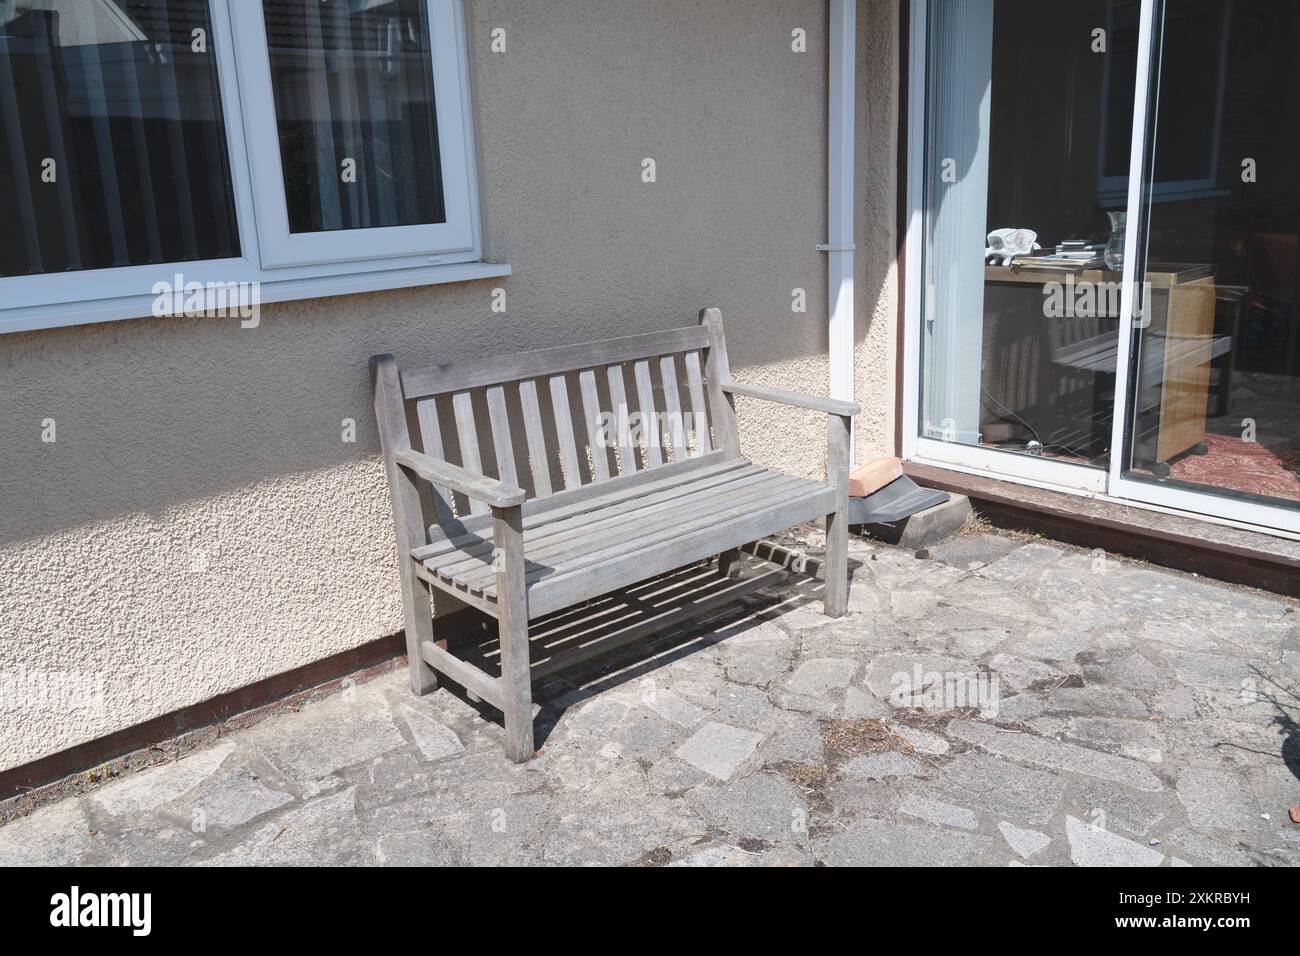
199 524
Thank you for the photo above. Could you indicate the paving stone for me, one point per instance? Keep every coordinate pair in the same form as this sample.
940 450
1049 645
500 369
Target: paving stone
892 677
1215 670
1122 809
762 806
1097 701
977 643
1138 739
882 766
720 854
1093 846
719 749
1131 672
1019 673
1002 788
1023 563
235 799
1053 645
1054 755
154 787
938 812
819 677
436 740
55 835
878 843
971 551
623 832
1216 799
330 735
745 706
924 741
1025 842
674 708
322 832
858 703
1201 847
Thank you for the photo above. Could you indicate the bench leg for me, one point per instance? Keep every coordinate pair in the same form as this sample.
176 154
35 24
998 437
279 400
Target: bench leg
418 615
729 563
516 675
835 601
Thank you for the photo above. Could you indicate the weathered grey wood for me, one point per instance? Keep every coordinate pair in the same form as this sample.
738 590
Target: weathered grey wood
539 463
831 406
638 538
500 370
475 551
591 411
426 411
621 525
699 410
502 445
722 410
516 682
729 563
673 406
645 397
618 398
394 438
564 431
586 499
551 594
467 675
835 602
466 433
489 492
514 558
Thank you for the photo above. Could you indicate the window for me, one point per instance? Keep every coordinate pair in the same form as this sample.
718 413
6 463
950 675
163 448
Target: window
313 147
113 138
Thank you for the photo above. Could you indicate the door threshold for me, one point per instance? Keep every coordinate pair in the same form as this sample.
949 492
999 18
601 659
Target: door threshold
1184 542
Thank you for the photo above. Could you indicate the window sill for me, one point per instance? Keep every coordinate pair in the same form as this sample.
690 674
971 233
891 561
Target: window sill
285 290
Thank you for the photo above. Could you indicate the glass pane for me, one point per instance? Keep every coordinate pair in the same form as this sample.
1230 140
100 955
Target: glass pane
1217 349
353 85
1029 122
112 131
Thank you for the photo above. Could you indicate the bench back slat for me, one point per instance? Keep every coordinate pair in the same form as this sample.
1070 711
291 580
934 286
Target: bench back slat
564 431
486 412
502 446
591 411
426 412
695 382
477 373
467 433
673 406
539 461
618 401
649 417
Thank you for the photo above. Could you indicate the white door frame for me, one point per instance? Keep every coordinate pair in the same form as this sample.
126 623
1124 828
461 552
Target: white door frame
1110 484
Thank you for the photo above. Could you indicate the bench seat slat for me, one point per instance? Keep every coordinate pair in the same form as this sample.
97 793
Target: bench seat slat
595 530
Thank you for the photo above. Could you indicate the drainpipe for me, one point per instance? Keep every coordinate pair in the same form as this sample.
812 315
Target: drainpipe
839 249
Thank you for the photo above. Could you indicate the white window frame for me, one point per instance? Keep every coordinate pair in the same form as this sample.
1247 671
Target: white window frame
56 300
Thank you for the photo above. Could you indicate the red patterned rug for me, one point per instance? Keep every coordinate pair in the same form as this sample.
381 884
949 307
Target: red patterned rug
1272 470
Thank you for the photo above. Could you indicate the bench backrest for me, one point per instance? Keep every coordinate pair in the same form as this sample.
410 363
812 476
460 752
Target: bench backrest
557 419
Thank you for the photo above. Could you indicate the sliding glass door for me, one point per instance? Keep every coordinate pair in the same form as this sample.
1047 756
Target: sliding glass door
1210 413
1106 216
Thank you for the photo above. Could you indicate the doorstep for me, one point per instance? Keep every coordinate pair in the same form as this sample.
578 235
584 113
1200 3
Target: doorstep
1173 541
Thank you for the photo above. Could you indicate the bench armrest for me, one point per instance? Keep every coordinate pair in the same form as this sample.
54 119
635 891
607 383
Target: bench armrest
490 491
831 406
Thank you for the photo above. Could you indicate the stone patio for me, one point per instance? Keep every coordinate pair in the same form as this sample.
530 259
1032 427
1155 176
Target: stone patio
1003 701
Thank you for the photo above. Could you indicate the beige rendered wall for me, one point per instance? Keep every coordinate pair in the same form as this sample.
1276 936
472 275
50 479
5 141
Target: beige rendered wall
200 525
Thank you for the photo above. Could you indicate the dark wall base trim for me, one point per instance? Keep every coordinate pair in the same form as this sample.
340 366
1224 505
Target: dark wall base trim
1173 541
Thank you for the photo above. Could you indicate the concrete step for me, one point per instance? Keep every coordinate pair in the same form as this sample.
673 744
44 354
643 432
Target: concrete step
925 528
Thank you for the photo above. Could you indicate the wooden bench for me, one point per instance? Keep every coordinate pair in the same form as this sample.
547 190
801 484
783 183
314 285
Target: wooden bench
611 517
